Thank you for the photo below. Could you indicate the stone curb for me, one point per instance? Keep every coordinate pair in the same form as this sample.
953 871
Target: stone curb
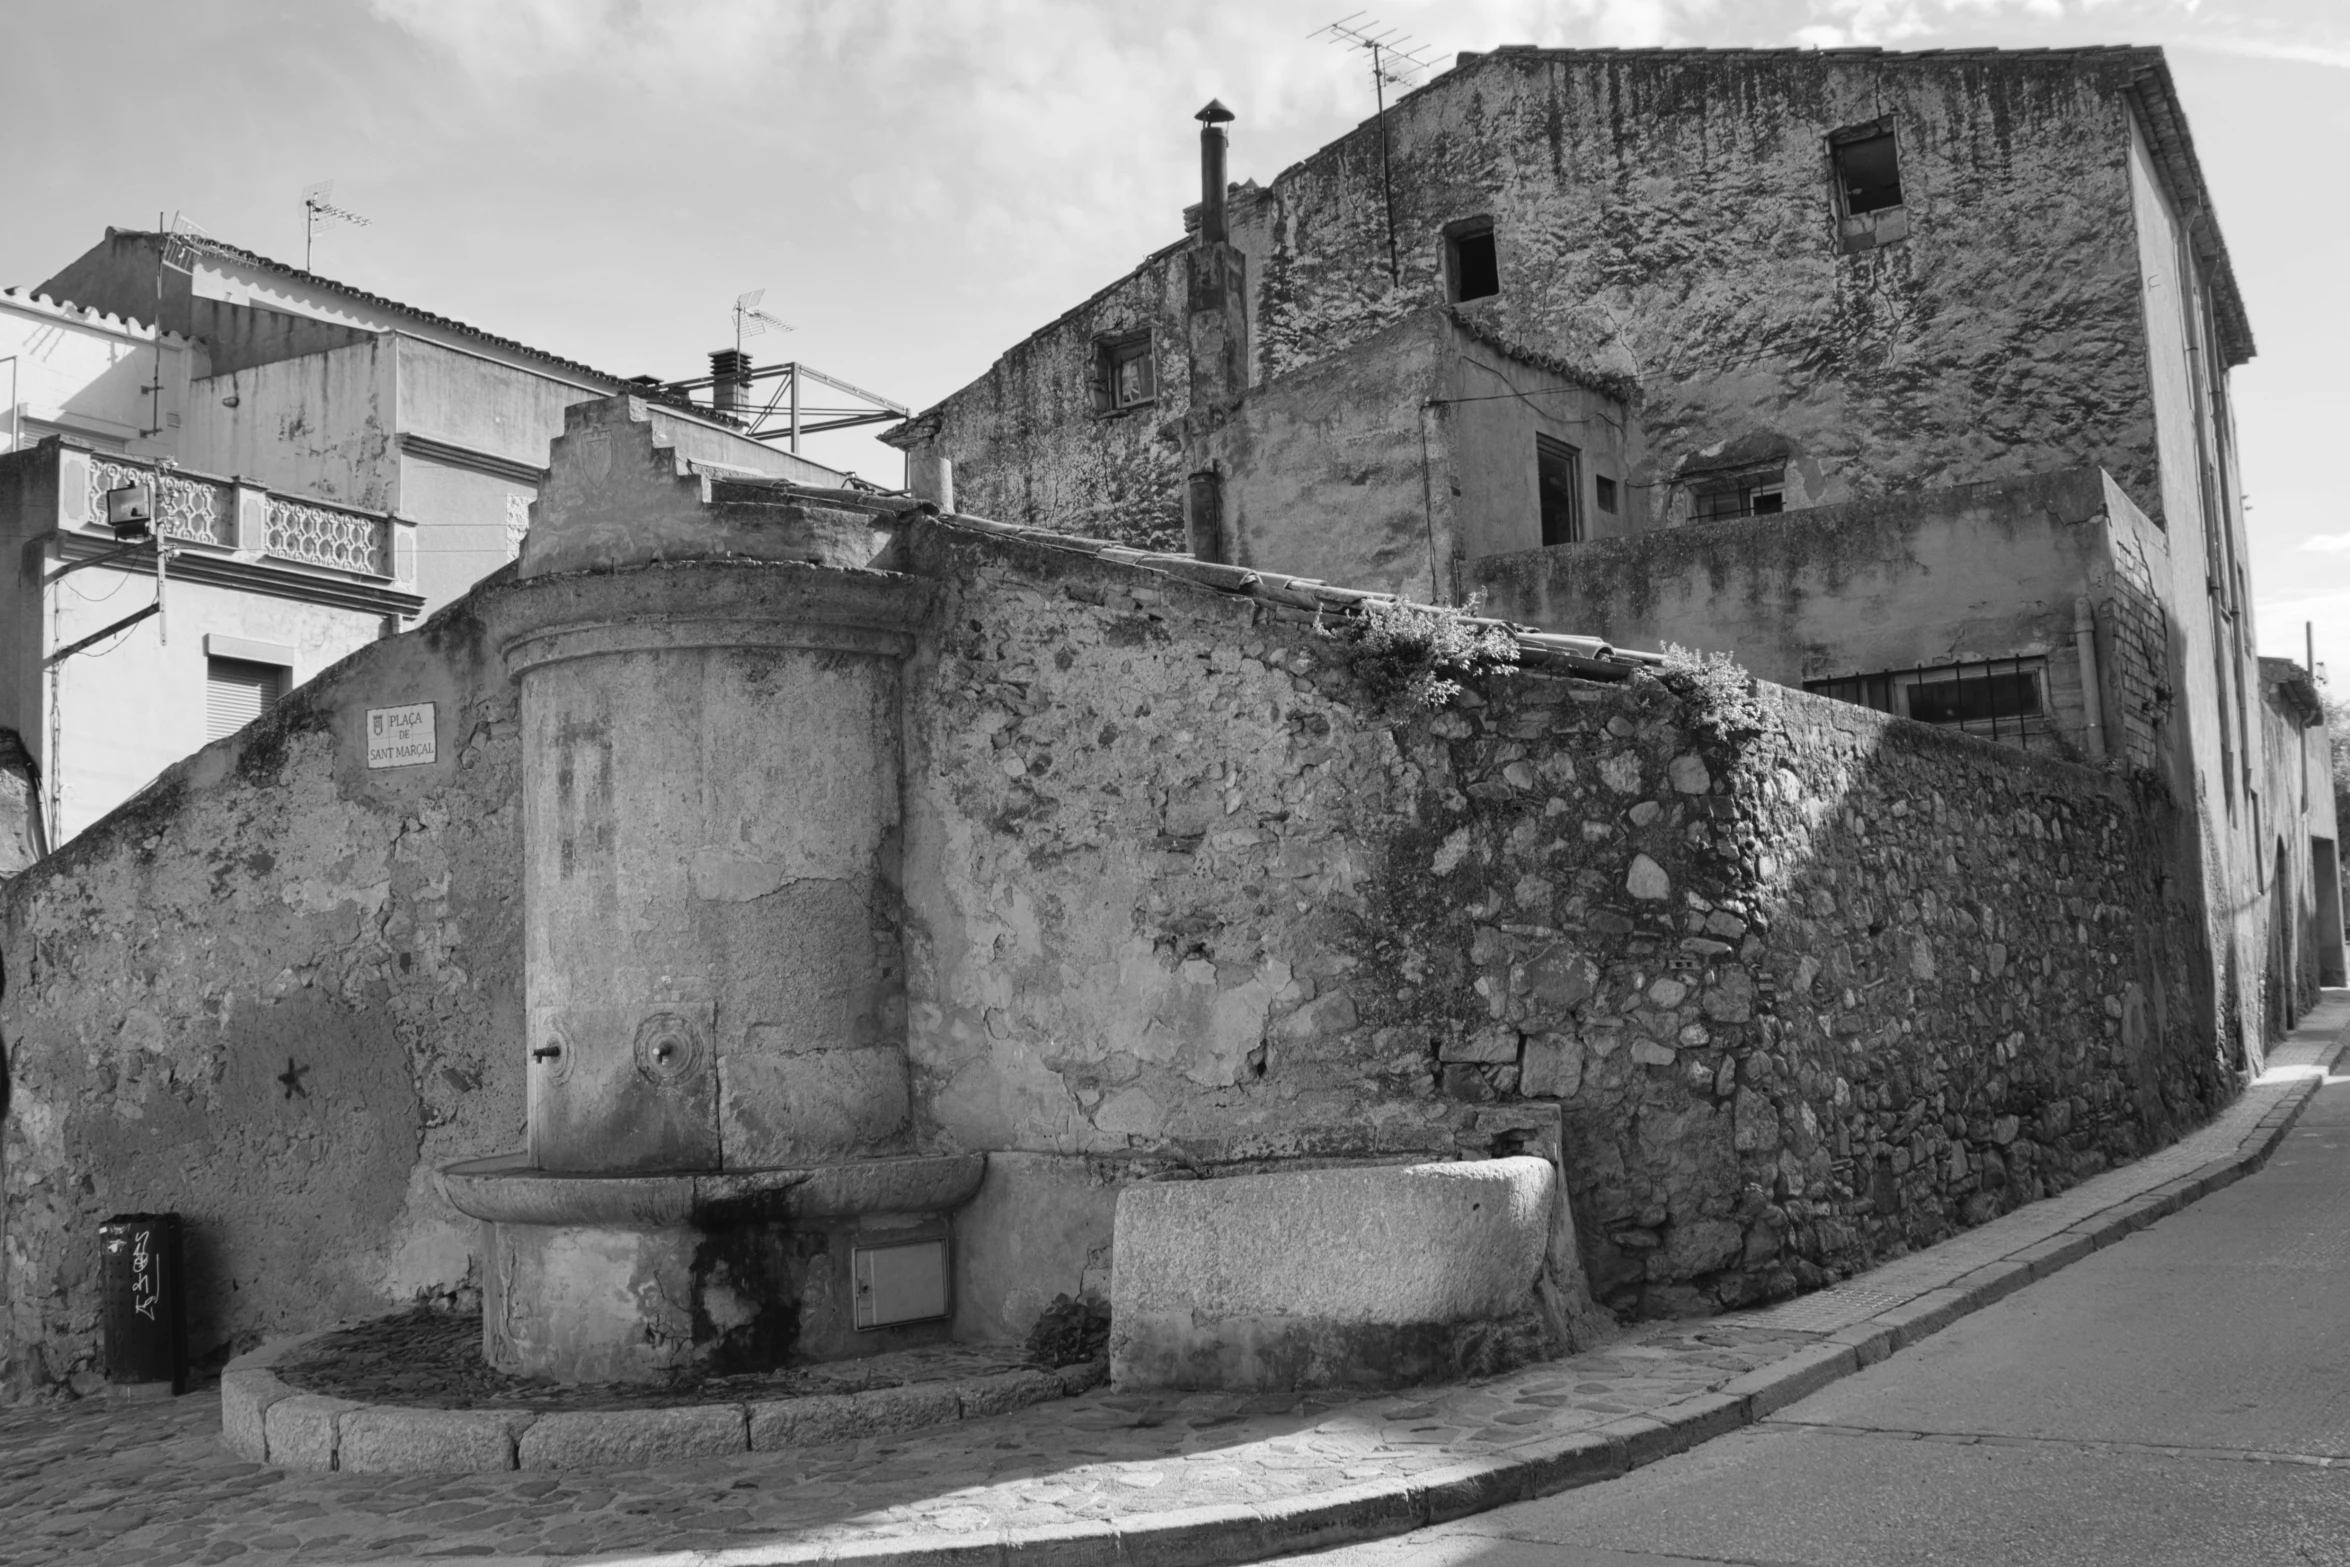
267 1420
1215 1536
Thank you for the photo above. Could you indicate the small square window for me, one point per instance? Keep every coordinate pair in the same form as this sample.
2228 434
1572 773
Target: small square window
1605 488
239 690
1868 172
1125 373
1472 269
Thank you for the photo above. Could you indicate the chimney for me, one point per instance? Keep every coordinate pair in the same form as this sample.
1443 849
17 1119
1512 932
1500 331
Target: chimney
730 370
1212 121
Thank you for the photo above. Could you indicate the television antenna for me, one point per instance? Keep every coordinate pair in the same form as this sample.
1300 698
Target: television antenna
750 320
1395 60
317 203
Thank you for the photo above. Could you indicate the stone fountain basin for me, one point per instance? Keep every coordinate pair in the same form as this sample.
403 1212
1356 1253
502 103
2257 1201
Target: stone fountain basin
508 1189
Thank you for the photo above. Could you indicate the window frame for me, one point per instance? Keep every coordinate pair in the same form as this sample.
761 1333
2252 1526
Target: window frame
1111 352
1894 688
1883 224
1550 446
1462 229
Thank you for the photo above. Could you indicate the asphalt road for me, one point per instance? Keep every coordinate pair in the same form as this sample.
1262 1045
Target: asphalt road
2158 1403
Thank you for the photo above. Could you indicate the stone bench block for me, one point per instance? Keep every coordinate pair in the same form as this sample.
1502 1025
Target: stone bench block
1365 1277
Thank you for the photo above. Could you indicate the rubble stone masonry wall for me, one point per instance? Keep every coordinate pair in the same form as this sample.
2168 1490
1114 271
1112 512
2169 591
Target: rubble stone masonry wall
1180 899
272 993
1181 902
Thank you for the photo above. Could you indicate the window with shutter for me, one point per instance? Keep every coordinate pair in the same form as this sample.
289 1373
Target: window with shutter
237 691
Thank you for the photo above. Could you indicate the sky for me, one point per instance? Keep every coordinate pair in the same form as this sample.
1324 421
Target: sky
918 184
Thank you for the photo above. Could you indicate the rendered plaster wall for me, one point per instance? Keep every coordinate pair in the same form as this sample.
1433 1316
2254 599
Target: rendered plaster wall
2292 788
2218 682
1178 904
120 273
321 424
1341 471
1972 572
1390 464
272 993
86 373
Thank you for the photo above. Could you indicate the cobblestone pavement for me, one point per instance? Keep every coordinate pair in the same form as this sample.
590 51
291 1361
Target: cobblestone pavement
96 1484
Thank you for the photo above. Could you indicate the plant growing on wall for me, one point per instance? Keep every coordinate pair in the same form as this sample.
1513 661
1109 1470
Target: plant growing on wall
1411 658
1718 690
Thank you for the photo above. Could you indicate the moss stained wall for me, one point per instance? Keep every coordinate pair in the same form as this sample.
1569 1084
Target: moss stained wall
1178 901
1030 447
1670 217
272 993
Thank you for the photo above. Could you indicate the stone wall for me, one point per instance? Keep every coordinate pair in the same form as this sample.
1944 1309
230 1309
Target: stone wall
1180 899
273 992
1180 902
1670 216
1031 445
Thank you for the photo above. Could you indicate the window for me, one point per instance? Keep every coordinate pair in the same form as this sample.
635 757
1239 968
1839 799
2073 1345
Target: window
1724 502
1606 495
1558 483
1471 269
1124 372
1869 209
1999 699
237 691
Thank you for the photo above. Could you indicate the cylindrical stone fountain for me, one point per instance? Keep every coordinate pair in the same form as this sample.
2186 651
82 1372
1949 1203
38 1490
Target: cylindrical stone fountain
719 1171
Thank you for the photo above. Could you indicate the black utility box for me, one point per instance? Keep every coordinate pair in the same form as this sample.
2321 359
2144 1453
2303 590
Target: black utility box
145 1310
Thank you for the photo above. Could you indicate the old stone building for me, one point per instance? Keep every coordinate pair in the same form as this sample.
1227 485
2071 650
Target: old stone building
1811 357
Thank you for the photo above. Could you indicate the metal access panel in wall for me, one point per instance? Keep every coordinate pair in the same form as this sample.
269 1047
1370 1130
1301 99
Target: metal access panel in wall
906 1282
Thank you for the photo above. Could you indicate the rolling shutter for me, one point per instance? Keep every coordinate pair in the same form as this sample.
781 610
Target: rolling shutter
237 691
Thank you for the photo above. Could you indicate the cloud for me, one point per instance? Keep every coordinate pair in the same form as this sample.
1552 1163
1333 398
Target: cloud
2299 51
2327 542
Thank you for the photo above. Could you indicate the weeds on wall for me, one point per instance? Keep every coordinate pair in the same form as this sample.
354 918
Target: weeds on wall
1070 1331
1718 690
1411 658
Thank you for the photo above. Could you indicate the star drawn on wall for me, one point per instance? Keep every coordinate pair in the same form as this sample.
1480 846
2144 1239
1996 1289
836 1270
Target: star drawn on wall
292 1077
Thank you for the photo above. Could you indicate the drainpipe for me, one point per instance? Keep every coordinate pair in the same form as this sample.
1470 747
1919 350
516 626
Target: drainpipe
2092 701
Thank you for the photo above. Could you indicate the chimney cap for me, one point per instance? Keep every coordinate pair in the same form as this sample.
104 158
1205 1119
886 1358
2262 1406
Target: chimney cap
1214 114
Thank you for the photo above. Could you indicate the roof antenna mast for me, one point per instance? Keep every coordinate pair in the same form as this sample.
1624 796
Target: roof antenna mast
750 320
1395 60
317 204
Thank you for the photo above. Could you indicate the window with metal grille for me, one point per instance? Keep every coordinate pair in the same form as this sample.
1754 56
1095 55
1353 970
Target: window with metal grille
1720 503
1999 699
237 691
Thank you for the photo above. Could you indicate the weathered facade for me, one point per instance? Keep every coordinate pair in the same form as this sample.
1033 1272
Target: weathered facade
1674 217
1179 894
1857 301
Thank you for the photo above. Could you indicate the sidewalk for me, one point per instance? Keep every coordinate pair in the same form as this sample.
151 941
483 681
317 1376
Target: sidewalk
1105 1477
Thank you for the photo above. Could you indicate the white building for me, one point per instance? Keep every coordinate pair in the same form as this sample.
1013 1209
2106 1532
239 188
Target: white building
324 465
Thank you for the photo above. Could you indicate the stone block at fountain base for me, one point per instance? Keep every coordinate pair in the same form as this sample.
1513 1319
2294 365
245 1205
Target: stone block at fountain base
641 1278
1363 1277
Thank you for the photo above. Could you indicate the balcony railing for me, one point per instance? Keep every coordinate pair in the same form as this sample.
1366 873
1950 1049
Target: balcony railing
226 515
